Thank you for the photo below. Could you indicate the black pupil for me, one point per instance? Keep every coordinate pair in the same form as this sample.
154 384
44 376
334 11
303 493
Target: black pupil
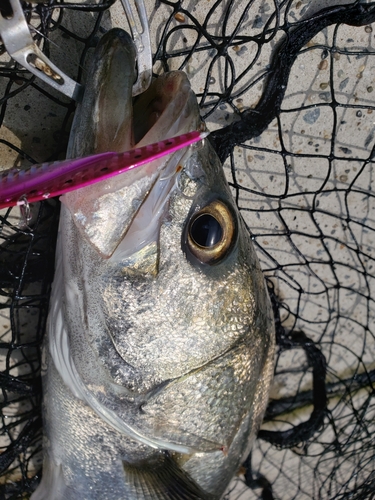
206 231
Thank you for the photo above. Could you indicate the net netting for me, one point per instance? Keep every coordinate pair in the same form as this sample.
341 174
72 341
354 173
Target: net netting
288 91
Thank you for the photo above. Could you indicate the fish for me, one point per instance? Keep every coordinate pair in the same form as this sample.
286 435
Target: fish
159 353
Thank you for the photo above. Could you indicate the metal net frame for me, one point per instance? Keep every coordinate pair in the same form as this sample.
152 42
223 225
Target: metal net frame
298 153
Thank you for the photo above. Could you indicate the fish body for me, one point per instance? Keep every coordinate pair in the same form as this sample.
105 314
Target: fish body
160 345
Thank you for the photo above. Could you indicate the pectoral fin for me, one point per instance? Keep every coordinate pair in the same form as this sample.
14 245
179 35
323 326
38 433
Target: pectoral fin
160 478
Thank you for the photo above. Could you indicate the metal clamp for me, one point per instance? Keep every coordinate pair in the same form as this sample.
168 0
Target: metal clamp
142 44
25 211
21 47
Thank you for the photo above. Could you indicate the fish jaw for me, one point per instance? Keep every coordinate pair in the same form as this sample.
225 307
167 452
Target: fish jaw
101 122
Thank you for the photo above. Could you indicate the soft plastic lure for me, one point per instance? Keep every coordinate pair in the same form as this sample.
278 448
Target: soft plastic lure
39 182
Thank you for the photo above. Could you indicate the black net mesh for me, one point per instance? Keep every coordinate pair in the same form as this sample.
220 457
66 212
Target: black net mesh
288 91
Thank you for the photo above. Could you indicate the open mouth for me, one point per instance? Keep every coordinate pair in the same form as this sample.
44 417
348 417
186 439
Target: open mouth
105 211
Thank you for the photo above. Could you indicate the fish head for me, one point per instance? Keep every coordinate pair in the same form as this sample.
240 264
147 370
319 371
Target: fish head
194 289
188 314
166 318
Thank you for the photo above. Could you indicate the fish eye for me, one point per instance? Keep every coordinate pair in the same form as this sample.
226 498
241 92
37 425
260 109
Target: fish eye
206 231
211 233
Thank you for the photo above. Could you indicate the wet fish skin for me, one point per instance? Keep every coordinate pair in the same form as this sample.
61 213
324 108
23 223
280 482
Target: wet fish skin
155 360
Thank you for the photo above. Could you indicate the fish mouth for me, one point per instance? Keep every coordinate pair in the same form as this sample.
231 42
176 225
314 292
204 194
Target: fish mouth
108 120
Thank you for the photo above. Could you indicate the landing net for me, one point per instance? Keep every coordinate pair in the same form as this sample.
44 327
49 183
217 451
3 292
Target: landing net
289 92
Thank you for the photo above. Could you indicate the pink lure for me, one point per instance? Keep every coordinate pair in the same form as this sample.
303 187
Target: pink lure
46 180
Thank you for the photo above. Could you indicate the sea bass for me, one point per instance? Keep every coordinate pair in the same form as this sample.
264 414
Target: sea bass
160 347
